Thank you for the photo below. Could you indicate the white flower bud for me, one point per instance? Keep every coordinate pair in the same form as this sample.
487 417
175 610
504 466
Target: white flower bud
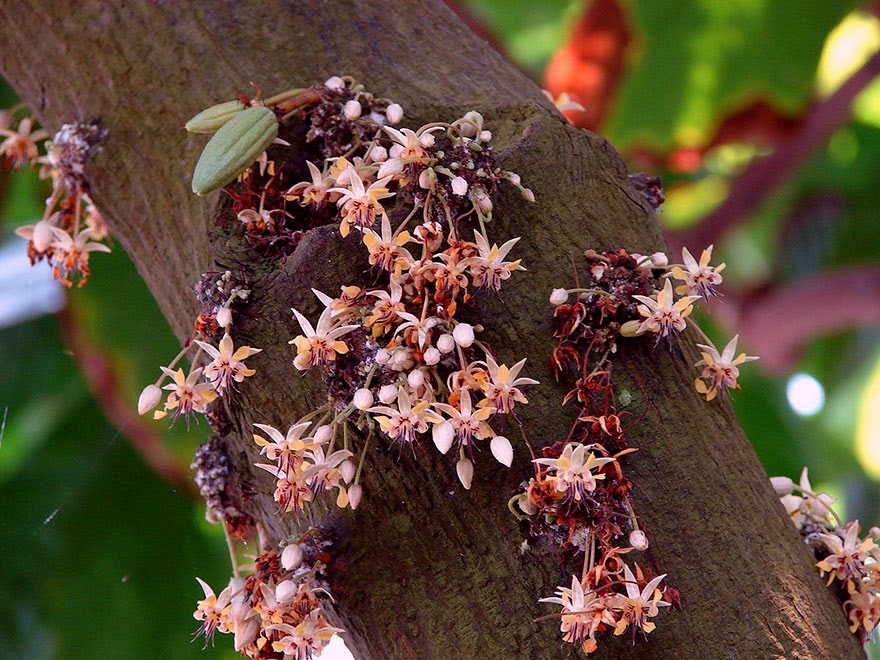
465 470
471 124
416 378
513 177
388 394
432 356
355 493
335 82
525 505
481 200
224 317
344 178
352 110
874 533
402 360
427 178
659 260
485 136
383 356
363 399
246 632
502 450
443 434
446 343
630 329
782 485
558 297
638 539
528 195
463 334
390 167
378 154
347 469
459 186
323 434
394 113
291 556
42 236
149 399
285 591
426 140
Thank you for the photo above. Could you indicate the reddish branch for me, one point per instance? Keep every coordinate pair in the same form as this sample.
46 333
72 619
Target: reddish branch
812 306
762 177
102 380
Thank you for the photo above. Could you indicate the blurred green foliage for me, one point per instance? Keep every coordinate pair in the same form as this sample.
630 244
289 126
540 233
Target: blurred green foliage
695 60
100 554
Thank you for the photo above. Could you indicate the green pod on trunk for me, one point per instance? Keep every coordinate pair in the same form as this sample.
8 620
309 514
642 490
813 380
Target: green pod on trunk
234 147
210 120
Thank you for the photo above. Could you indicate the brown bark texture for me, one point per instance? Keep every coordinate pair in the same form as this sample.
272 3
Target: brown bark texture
427 570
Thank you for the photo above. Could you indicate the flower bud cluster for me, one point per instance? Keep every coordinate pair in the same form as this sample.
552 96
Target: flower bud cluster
272 610
214 371
579 501
622 299
71 227
579 504
216 481
849 561
399 357
222 296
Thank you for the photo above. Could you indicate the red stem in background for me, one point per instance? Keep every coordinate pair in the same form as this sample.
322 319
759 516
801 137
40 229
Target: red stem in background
777 324
763 176
100 376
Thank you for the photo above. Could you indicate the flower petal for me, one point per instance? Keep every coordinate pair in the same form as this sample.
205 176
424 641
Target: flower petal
502 450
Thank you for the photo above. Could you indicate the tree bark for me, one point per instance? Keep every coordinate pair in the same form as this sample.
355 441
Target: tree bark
430 570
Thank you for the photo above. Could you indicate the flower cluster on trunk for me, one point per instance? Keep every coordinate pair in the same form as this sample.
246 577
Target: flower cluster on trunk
851 563
402 359
71 227
272 605
579 502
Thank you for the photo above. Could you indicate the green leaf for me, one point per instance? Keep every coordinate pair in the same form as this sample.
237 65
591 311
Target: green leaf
530 31
697 60
105 553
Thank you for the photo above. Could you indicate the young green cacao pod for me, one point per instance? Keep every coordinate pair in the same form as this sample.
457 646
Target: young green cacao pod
210 120
233 148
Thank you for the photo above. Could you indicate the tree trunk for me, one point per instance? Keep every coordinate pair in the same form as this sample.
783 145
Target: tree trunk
431 570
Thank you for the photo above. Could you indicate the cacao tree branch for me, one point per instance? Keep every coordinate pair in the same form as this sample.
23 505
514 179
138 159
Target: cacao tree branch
425 569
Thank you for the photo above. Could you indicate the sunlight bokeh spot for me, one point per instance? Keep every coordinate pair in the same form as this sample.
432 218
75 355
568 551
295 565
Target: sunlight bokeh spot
847 48
868 429
806 396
